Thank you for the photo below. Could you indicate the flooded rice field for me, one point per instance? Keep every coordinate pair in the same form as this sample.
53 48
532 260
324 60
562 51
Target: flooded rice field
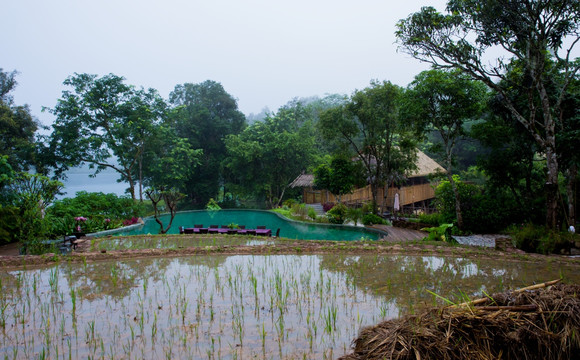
113 243
233 307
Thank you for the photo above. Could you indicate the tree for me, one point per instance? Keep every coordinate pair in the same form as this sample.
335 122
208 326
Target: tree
267 156
170 197
23 200
17 127
340 177
529 31
103 119
369 124
442 101
205 114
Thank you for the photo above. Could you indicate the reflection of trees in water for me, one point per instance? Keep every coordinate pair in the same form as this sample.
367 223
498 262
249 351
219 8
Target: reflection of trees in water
114 278
211 261
117 278
406 279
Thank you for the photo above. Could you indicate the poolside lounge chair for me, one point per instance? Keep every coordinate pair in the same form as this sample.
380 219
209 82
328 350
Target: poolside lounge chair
203 231
199 226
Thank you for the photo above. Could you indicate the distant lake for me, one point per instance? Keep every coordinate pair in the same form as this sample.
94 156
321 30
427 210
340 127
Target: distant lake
105 182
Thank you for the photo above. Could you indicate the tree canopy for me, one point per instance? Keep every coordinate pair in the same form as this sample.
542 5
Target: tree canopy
528 31
17 126
205 114
443 101
370 126
105 123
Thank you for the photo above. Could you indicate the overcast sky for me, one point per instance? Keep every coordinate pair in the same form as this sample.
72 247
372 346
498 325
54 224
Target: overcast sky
264 52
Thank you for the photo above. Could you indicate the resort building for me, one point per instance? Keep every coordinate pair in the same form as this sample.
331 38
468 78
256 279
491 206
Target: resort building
415 194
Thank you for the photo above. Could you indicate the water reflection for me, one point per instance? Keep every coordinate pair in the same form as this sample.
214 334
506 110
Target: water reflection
278 306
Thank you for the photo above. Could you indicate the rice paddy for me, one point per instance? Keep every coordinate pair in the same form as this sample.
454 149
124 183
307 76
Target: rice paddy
232 307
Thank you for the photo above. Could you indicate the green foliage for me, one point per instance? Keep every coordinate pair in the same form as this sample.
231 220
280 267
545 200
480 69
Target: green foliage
300 211
370 126
205 115
337 215
439 233
539 239
103 118
372 219
340 177
462 38
267 156
431 219
17 127
354 214
28 195
312 213
96 204
212 205
483 211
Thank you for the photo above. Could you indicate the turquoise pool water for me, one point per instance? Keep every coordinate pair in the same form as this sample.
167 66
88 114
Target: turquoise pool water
253 218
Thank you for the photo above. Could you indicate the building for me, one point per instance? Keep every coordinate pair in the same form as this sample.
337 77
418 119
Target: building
416 193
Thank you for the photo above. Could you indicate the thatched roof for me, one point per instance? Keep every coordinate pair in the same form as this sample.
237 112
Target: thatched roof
303 180
425 166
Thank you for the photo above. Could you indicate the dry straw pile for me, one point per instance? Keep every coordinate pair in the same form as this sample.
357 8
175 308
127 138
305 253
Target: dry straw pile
523 324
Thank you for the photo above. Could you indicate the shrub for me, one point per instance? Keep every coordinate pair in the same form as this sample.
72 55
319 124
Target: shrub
337 214
372 219
539 239
354 214
299 210
434 219
290 202
327 206
483 211
312 213
96 204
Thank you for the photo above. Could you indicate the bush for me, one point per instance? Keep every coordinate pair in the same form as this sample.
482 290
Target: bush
97 204
434 219
337 214
290 202
327 206
483 211
299 210
312 213
539 239
372 219
354 214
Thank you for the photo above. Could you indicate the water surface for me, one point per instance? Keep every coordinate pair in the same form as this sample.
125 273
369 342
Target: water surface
225 307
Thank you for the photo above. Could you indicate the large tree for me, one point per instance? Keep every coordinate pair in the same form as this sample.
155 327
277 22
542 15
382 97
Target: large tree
267 156
369 124
527 30
205 114
17 126
105 123
442 102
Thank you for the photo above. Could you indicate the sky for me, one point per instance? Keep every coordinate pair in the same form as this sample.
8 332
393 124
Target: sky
263 52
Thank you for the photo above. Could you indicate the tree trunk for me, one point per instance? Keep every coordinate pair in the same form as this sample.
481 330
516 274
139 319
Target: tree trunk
458 213
571 194
374 192
551 188
141 178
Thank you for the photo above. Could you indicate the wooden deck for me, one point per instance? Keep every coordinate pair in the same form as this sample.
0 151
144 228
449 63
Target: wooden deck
401 234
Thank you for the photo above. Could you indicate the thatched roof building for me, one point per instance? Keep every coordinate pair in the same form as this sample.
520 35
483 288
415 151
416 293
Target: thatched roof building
417 189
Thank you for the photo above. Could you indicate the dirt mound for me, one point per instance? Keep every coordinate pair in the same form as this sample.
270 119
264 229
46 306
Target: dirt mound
540 324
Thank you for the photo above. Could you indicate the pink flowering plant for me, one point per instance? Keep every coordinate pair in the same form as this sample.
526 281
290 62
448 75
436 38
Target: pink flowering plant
80 220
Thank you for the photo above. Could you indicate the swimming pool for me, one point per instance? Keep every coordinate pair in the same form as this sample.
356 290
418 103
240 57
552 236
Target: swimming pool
252 219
